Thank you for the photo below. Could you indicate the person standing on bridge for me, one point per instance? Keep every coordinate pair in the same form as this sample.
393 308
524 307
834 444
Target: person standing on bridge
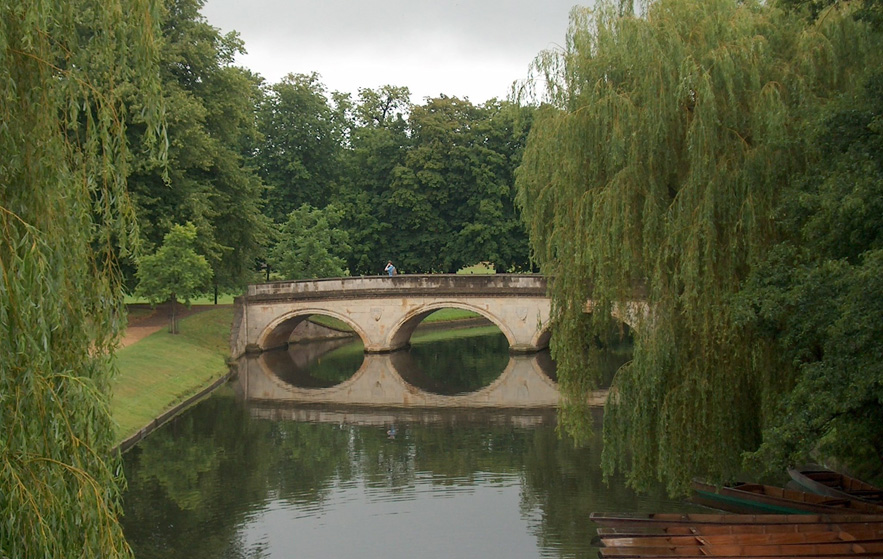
390 269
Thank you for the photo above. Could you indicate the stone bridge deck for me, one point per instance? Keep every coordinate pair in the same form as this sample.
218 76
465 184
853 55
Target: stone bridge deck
384 311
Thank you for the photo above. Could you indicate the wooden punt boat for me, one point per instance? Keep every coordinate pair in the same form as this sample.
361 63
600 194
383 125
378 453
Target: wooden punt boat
631 531
866 549
758 498
874 554
780 538
822 481
675 519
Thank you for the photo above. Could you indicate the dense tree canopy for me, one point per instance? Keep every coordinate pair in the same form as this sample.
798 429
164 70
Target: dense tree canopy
211 109
818 294
65 70
451 201
311 244
654 172
430 186
378 142
435 192
302 144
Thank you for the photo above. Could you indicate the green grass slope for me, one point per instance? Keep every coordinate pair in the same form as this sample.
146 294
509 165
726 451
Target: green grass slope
163 369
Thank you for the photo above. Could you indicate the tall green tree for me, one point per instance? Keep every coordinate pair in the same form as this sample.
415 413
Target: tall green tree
450 202
311 244
653 172
378 142
175 271
303 135
492 229
211 108
67 70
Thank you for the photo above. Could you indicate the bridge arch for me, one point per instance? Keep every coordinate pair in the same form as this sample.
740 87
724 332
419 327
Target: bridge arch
543 336
402 331
277 333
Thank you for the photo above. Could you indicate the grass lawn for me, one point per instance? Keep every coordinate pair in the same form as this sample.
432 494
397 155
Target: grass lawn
480 268
443 315
164 369
454 334
205 300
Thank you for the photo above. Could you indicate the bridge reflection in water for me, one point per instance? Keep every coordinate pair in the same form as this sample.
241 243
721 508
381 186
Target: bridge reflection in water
521 418
393 380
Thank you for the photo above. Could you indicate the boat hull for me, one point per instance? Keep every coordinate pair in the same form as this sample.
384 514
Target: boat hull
692 519
758 536
822 481
748 498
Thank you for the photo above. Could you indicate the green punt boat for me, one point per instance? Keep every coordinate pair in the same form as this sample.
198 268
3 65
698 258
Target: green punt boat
748 498
822 481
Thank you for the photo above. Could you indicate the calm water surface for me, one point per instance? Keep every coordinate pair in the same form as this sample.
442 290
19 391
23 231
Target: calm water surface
235 479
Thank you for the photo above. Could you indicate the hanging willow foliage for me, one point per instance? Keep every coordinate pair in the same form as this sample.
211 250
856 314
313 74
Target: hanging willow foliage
651 174
65 70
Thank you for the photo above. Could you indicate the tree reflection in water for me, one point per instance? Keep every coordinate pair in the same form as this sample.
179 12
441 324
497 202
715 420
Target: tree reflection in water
200 486
197 486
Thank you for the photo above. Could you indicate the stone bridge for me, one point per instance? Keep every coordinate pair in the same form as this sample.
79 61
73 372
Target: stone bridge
384 310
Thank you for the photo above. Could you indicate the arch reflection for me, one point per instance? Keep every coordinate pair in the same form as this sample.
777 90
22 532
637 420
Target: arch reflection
316 364
380 381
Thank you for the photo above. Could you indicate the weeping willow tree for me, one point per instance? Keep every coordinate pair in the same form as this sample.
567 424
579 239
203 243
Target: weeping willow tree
65 70
652 175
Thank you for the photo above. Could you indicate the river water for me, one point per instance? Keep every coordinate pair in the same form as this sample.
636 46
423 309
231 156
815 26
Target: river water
236 478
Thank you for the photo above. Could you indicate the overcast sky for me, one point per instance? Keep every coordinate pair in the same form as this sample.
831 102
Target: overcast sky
462 48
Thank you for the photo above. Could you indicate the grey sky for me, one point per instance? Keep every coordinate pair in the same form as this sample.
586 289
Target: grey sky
473 49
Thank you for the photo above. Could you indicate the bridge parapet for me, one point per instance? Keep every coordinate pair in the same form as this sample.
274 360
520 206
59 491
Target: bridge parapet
373 286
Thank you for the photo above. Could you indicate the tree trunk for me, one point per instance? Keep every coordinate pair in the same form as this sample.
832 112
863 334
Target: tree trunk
173 318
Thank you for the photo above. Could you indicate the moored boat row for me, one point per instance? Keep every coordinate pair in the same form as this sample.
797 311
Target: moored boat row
732 520
769 522
740 535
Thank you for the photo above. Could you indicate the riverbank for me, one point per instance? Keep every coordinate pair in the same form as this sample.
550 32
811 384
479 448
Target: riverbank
161 373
